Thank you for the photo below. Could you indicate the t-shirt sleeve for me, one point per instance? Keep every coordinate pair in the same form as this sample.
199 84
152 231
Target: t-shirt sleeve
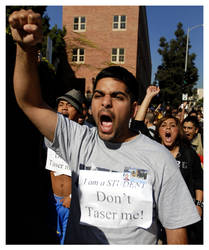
176 208
68 139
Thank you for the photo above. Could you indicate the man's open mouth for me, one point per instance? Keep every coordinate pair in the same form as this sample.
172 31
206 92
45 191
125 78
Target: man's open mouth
106 123
188 135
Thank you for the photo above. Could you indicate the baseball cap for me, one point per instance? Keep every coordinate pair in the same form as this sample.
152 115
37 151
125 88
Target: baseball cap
74 97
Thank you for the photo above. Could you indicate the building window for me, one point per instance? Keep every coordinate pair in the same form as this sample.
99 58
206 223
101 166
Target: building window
78 56
79 23
118 55
119 22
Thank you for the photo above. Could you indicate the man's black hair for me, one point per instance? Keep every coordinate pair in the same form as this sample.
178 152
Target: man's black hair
121 74
192 119
193 112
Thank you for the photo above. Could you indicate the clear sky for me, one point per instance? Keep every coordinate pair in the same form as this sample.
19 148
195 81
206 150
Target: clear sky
162 21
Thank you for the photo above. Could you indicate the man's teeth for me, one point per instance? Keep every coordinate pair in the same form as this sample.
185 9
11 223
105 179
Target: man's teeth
105 123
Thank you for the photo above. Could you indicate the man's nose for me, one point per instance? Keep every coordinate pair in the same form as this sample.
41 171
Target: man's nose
107 101
65 106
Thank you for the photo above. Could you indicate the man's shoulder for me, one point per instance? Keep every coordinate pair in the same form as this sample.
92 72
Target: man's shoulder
197 139
144 139
65 123
151 146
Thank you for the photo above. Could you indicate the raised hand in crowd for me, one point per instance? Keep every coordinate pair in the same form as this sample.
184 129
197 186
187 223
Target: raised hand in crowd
151 92
26 27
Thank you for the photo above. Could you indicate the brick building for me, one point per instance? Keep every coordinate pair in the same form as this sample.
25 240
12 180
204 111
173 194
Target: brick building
100 36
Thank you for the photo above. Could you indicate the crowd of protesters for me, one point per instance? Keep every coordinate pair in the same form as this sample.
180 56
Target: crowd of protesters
181 132
191 120
126 188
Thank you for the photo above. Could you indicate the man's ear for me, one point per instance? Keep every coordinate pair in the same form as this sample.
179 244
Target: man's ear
134 109
196 130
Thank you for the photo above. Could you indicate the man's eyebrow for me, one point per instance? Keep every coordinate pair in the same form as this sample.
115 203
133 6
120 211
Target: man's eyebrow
114 93
98 91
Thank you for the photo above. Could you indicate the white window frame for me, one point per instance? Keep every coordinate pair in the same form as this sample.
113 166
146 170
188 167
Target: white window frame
80 29
119 22
78 56
118 55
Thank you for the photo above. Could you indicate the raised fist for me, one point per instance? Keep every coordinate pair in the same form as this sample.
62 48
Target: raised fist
26 27
153 91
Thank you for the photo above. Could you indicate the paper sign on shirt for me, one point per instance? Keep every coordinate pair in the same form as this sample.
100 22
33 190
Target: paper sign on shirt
56 163
115 199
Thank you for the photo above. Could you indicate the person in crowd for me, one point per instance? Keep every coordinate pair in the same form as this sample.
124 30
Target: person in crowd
149 119
178 114
193 112
121 189
170 133
181 113
168 110
82 118
70 105
159 112
191 129
174 112
86 118
199 115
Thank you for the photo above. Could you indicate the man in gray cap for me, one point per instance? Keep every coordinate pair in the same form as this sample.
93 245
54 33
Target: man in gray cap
70 105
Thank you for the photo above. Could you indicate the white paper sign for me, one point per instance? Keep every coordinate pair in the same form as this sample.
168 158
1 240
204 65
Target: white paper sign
114 200
184 97
56 163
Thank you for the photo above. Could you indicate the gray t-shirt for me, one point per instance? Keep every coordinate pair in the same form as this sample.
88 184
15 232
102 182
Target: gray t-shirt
121 188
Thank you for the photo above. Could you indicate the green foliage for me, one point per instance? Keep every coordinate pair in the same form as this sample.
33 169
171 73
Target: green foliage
170 74
57 36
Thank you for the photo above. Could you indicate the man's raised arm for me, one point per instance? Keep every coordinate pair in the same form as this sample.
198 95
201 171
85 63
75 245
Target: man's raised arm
27 32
